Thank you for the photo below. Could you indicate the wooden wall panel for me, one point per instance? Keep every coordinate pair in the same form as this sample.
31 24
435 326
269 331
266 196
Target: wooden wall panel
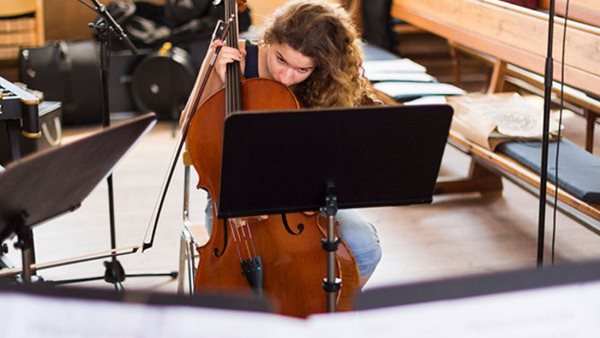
587 11
67 20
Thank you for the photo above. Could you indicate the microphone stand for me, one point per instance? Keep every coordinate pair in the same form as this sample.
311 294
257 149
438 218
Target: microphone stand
548 79
101 28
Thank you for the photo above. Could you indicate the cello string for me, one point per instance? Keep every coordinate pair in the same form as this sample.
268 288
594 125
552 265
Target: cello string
251 240
244 225
240 225
235 104
236 240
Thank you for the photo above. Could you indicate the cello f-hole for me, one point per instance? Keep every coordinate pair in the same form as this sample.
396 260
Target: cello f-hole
216 250
300 226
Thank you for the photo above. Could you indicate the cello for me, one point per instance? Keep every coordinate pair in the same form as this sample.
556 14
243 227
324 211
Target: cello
260 254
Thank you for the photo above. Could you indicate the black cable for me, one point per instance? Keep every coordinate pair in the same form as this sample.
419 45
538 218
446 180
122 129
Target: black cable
560 116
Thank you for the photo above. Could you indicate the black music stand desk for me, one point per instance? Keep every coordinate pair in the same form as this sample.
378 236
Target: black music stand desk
52 182
307 160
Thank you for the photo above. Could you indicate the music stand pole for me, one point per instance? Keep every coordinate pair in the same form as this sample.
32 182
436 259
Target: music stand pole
101 28
114 271
25 243
548 76
331 284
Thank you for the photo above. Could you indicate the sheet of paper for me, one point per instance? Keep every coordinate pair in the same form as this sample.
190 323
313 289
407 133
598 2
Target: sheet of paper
48 317
566 311
62 317
563 311
183 323
508 112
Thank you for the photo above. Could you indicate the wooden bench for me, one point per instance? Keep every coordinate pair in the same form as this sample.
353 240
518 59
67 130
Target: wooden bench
504 74
513 36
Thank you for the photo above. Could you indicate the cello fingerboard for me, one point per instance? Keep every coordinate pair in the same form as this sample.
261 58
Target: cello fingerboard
233 86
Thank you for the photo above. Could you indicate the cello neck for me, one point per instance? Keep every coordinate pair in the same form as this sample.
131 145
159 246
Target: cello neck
233 87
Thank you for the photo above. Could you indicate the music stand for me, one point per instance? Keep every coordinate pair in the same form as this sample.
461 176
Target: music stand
52 182
306 160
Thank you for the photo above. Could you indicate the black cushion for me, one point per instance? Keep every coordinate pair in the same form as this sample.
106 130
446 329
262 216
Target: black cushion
578 170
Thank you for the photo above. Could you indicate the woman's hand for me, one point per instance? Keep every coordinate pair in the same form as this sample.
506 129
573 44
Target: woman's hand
227 55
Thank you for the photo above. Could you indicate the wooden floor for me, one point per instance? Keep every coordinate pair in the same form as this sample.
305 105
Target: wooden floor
455 235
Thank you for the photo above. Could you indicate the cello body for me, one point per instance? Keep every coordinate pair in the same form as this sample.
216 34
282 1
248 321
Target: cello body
293 265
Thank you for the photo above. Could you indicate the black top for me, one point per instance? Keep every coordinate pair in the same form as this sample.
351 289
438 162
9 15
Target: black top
251 69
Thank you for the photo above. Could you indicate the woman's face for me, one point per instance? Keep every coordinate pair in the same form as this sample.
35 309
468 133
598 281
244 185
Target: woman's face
287 65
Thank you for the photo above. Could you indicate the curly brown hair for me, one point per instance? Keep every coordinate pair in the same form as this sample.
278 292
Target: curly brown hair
324 32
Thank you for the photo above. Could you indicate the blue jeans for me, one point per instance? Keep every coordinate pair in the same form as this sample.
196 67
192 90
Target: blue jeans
362 239
360 236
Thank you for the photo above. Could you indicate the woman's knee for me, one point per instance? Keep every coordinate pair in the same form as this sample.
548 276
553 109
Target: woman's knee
362 239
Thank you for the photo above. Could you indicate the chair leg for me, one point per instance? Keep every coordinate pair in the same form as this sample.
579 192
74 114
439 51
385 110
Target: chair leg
186 245
182 264
590 117
187 262
497 79
191 265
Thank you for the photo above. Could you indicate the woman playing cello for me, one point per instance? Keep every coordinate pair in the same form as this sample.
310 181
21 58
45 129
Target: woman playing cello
313 48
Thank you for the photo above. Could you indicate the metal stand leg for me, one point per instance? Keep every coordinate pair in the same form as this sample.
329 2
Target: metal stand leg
25 243
5 263
331 284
